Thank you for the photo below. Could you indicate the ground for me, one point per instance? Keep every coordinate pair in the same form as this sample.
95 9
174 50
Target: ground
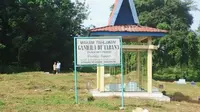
41 92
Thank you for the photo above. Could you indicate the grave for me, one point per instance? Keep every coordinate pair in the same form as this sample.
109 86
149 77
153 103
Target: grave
113 87
140 94
193 83
132 86
129 87
181 81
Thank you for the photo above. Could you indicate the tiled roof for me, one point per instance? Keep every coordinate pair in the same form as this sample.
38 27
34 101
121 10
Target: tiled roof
126 28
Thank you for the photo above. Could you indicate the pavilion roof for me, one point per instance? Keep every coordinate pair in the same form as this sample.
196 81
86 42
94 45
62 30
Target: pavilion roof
127 28
124 21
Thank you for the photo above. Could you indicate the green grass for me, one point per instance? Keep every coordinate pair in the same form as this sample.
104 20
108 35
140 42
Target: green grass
198 84
39 92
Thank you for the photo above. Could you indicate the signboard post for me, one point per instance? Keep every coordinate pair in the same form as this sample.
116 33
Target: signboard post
98 51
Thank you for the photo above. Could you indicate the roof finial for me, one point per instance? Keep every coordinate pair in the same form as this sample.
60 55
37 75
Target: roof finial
123 13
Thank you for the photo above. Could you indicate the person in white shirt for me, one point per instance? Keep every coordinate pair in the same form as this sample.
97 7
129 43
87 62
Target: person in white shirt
54 68
58 66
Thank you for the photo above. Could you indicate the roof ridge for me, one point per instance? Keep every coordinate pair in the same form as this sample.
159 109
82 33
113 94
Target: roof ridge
128 28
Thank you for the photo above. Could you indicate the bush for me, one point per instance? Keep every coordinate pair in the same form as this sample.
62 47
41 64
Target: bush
13 69
90 98
164 92
165 77
87 69
175 73
37 66
192 75
1 103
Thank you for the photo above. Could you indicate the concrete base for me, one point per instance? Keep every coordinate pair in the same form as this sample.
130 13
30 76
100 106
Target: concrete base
144 95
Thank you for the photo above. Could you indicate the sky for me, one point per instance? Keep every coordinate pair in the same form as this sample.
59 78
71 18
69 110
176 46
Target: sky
100 11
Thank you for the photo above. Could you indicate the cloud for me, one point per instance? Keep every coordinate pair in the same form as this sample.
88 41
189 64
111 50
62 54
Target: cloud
99 12
196 15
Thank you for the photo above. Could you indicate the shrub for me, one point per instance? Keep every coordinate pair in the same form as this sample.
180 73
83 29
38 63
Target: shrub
1 103
87 69
165 77
90 98
13 69
37 66
175 73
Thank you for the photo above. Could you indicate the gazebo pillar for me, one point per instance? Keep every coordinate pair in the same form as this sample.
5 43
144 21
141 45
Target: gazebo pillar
149 67
100 78
138 68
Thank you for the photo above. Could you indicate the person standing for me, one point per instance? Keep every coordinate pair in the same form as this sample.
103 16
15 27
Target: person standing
58 65
54 68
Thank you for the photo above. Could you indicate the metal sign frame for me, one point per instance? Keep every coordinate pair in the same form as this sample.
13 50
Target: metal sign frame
121 65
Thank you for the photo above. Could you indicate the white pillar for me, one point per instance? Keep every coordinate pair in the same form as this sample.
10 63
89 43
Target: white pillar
102 78
138 67
98 78
149 67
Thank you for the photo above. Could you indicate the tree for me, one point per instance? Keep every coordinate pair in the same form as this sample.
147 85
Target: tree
37 32
180 46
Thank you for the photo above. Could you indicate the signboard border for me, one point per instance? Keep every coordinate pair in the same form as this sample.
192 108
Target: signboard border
104 37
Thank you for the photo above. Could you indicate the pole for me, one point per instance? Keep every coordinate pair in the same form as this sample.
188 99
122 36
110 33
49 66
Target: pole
122 73
75 72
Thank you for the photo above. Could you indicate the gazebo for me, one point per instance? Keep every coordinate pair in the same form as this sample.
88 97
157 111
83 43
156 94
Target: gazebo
124 22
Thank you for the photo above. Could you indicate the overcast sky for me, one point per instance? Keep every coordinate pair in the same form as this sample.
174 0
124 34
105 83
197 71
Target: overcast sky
100 11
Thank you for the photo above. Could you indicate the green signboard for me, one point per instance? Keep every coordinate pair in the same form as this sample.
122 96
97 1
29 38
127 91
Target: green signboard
98 51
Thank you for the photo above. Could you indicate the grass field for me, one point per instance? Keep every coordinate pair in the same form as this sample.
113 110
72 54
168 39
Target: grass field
40 92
